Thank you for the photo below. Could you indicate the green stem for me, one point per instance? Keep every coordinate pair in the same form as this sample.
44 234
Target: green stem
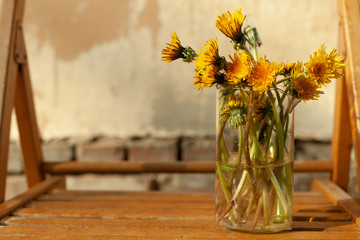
283 80
281 107
291 105
278 191
246 143
289 182
240 185
259 157
246 133
279 129
248 52
240 147
266 207
239 189
257 212
280 207
285 93
249 207
223 183
256 57
220 145
224 151
268 138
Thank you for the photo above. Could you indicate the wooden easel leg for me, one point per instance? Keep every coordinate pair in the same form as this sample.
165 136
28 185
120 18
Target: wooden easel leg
15 90
350 15
341 140
11 13
28 131
5 121
25 114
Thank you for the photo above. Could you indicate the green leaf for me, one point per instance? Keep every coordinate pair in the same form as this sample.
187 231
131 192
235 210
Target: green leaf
226 168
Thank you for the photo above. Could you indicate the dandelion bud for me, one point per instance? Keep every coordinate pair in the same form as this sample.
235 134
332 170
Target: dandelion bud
189 54
253 36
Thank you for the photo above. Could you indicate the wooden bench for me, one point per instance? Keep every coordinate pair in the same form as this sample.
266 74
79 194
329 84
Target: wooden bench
49 211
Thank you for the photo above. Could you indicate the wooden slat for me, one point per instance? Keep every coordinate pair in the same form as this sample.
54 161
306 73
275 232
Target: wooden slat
313 165
350 14
128 167
9 206
163 167
339 197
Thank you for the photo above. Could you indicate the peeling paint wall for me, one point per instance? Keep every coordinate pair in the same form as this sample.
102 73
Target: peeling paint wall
96 69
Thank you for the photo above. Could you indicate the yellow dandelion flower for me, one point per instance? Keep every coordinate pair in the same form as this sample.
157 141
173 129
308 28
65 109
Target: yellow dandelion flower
208 65
233 104
306 88
262 106
297 70
322 66
287 68
239 68
263 74
173 50
206 77
230 24
209 56
235 111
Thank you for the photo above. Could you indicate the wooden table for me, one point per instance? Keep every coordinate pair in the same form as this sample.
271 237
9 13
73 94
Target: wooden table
67 214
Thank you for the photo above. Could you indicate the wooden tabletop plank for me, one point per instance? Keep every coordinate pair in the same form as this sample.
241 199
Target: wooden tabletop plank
166 205
339 197
152 223
161 215
128 196
109 223
110 196
308 209
7 207
63 237
126 205
70 192
174 233
119 213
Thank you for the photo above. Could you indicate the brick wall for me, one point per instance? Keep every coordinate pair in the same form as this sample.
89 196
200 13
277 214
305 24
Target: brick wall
114 149
148 149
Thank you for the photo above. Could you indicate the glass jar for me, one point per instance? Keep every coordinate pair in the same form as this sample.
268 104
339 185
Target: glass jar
254 167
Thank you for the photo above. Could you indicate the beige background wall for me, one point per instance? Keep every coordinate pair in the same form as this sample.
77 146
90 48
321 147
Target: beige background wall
96 69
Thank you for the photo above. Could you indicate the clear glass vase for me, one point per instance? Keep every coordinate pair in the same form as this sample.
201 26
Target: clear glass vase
254 167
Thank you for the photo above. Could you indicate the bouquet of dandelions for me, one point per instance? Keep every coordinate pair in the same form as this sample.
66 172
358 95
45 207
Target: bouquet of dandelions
256 99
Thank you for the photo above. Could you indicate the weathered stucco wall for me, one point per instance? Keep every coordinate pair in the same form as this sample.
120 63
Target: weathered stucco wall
96 69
